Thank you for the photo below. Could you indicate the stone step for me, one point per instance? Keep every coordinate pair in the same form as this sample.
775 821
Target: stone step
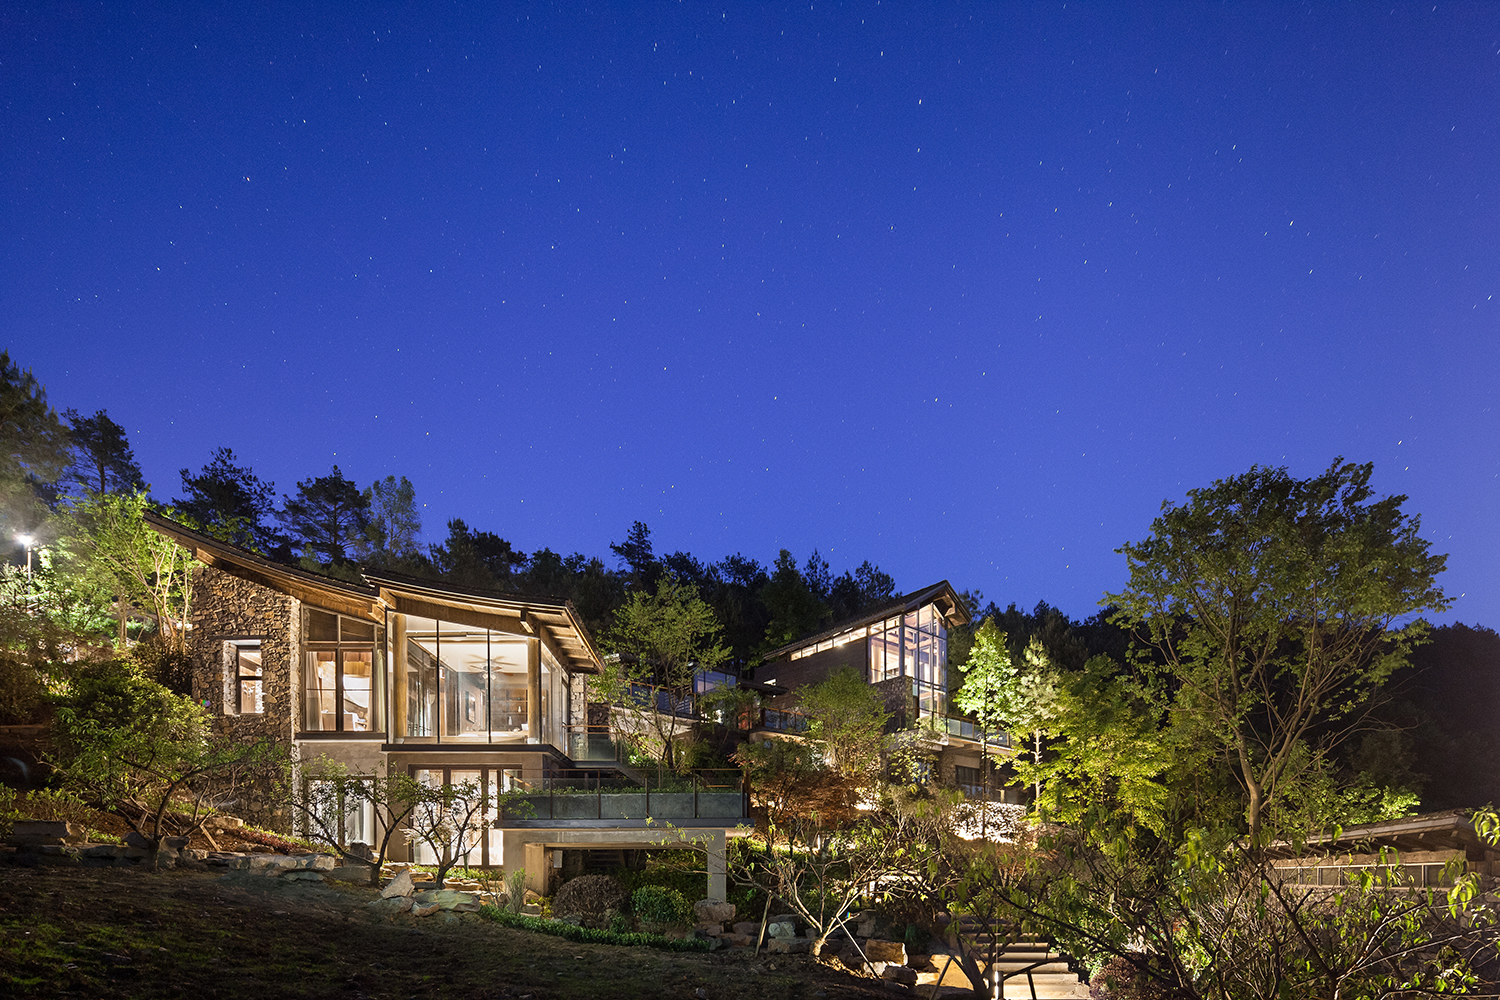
1051 968
1050 990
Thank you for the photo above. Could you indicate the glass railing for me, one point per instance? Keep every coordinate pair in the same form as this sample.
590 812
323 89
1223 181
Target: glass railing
784 722
966 730
581 794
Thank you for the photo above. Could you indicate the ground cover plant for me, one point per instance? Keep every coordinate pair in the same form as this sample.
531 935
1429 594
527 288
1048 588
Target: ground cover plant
129 933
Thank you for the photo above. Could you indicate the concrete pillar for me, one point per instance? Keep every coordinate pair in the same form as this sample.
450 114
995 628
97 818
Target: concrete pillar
718 865
533 690
537 871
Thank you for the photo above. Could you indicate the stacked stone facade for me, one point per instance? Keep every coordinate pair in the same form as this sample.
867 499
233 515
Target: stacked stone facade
229 607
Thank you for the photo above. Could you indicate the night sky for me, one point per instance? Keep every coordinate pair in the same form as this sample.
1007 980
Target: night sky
965 290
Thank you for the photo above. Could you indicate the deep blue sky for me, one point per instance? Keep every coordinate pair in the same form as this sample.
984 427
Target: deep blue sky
966 290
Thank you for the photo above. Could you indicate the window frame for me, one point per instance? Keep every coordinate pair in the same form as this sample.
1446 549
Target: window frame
340 646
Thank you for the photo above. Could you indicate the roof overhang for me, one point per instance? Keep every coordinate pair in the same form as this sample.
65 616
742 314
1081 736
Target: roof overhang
1446 831
555 622
949 604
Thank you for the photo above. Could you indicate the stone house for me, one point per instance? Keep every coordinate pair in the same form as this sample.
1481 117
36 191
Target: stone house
443 683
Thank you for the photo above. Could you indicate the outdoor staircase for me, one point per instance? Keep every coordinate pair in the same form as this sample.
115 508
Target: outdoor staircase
1026 967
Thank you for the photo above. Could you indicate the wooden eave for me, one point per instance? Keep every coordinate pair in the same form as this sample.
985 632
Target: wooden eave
940 593
334 595
555 622
1447 831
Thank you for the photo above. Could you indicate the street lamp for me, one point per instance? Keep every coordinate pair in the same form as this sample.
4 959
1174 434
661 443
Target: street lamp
28 541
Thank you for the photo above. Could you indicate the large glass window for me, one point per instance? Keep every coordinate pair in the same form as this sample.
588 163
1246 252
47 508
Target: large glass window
342 665
914 646
467 684
479 843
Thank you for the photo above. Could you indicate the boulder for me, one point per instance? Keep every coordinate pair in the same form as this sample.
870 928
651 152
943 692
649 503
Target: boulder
781 929
398 886
424 909
789 946
447 899
739 940
349 873
893 952
900 974
53 833
133 839
100 851
712 911
750 927
392 905
178 844
222 822
591 897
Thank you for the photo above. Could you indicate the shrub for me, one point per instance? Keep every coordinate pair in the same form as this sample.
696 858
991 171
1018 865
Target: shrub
515 890
589 935
1123 978
591 897
660 908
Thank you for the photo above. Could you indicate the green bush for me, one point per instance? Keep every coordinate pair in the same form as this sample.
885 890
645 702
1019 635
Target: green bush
669 874
588 935
659 907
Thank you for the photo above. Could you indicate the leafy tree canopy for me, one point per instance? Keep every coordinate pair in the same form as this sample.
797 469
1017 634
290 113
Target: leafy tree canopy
1274 607
395 523
33 445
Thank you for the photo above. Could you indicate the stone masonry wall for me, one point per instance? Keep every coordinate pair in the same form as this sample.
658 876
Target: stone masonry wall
224 607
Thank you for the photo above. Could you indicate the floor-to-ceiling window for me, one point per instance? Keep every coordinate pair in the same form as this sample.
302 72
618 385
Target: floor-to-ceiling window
914 645
463 684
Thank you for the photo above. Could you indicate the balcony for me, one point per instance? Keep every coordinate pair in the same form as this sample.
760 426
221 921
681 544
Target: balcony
587 799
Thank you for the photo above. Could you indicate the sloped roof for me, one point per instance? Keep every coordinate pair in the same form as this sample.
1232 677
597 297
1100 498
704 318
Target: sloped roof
1452 829
940 593
384 590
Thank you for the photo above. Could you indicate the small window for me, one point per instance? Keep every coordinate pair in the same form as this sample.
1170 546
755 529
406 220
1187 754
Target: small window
249 678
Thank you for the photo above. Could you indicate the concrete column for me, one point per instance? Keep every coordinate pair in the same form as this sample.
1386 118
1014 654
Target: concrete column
537 871
718 865
533 692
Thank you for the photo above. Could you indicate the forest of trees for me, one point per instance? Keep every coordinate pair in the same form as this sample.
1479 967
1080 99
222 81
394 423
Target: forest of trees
66 478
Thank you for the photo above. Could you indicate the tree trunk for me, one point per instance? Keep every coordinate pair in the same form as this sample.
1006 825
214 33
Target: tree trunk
1253 813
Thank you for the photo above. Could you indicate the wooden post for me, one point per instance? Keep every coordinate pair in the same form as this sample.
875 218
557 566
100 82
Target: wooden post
533 690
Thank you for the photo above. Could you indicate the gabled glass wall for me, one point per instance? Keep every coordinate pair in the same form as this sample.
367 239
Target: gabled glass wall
913 645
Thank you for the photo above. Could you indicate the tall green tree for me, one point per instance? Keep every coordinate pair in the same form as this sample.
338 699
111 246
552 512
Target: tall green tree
795 609
327 517
110 546
659 640
480 559
637 557
231 502
33 448
1275 606
847 722
394 523
102 459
